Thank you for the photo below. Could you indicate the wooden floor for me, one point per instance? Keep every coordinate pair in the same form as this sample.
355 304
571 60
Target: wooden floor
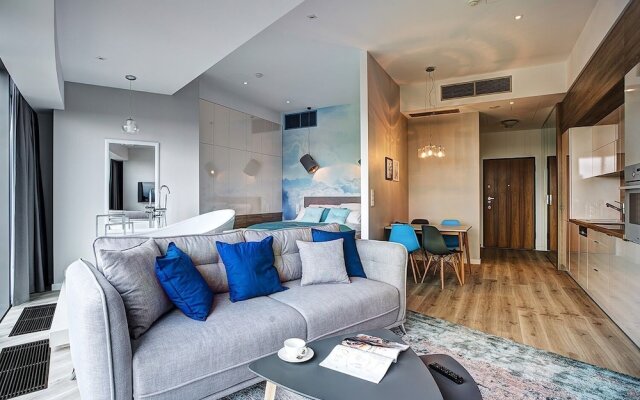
521 296
60 386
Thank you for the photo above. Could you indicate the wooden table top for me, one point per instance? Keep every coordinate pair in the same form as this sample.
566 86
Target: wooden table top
441 228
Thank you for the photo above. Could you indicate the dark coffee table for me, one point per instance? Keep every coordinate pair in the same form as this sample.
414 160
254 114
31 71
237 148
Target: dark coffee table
407 379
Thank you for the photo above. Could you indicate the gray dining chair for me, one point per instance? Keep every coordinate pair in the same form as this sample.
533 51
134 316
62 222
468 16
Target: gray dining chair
437 250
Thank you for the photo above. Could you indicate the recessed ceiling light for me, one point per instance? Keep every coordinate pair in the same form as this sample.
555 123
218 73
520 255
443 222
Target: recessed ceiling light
288 101
312 16
100 58
630 90
245 83
512 102
259 74
518 17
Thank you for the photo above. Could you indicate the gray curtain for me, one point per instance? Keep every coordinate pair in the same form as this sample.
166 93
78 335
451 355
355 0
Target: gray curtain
115 186
29 260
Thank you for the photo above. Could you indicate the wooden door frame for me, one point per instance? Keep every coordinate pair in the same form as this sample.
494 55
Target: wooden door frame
534 194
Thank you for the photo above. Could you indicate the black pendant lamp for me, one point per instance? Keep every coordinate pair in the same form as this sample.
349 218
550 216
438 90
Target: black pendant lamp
306 160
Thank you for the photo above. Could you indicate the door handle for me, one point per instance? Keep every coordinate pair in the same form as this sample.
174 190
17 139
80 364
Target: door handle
490 198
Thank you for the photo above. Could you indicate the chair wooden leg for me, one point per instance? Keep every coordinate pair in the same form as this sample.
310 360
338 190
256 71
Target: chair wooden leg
426 268
455 268
441 273
413 268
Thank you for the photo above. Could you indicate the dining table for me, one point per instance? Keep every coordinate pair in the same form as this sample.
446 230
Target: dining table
462 231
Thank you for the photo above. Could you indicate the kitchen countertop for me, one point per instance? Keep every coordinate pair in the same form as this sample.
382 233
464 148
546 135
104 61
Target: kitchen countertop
597 225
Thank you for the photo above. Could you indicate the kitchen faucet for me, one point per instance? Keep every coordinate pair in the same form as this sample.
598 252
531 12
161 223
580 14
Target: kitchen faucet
618 209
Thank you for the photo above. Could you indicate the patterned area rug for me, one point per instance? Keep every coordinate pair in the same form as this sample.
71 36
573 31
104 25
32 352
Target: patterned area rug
502 368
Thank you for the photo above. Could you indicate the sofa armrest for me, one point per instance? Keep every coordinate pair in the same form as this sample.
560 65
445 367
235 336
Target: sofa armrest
386 262
98 334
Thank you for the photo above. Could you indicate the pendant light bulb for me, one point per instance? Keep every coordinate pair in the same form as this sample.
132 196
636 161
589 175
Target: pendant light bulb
130 125
429 152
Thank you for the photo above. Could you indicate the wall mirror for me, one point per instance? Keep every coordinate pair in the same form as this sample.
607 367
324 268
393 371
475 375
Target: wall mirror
131 181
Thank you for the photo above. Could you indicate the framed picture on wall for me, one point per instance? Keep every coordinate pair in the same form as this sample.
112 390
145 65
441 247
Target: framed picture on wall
396 170
388 169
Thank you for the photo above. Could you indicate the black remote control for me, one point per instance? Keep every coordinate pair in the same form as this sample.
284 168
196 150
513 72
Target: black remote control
447 373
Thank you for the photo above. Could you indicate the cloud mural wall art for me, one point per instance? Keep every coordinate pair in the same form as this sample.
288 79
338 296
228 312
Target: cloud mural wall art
335 144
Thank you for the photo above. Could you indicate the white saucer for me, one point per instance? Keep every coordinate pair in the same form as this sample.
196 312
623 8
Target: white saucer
282 354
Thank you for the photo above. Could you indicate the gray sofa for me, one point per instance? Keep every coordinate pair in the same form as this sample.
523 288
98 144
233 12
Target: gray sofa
179 358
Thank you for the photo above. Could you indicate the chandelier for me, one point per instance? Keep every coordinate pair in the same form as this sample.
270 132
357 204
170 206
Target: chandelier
430 150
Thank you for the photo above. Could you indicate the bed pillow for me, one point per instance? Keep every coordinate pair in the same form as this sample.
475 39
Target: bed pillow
250 269
132 274
322 262
351 206
184 285
355 217
337 215
312 214
351 256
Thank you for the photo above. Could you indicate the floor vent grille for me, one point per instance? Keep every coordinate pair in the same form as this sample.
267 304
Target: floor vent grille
24 369
34 319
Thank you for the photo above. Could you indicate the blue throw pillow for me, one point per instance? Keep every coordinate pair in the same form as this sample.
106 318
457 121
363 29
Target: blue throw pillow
312 214
250 269
351 256
183 284
337 215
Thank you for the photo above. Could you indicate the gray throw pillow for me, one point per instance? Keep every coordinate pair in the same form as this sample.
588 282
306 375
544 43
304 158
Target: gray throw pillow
132 274
322 262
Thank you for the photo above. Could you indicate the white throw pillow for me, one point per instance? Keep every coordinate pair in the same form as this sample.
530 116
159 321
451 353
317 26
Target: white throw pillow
354 217
322 262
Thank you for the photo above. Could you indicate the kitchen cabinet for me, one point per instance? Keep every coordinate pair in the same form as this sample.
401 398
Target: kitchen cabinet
574 251
605 160
624 288
583 261
598 271
602 135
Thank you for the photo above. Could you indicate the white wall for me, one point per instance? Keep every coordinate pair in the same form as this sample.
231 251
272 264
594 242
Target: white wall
449 187
229 141
604 15
93 114
517 144
140 166
589 194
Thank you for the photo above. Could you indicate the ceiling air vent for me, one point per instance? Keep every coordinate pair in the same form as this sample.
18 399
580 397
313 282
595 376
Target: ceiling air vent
432 113
300 120
476 88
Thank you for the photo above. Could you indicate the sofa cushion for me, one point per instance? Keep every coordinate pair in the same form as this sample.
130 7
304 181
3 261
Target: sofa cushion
185 359
350 249
133 275
183 283
200 248
322 262
336 308
285 249
250 270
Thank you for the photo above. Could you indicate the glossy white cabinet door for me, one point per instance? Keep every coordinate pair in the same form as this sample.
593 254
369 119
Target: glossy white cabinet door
598 271
625 288
206 122
574 251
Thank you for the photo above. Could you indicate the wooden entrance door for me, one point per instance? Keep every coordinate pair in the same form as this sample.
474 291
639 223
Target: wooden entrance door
509 203
552 206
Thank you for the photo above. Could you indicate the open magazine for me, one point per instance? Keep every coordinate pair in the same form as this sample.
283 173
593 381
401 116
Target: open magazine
365 357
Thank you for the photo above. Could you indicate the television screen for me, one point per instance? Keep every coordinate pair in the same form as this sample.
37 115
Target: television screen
144 189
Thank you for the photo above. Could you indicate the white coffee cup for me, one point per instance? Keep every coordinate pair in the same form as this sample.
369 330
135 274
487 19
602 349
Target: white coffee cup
295 347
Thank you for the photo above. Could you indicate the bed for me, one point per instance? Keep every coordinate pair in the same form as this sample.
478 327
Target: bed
351 202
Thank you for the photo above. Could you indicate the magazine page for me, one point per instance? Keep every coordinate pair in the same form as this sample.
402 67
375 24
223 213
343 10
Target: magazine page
368 366
372 344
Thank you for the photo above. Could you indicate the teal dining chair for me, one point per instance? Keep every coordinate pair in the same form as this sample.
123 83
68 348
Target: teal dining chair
452 241
405 235
437 250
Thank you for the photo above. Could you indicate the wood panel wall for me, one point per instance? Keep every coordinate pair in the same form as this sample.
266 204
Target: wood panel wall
243 221
599 89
